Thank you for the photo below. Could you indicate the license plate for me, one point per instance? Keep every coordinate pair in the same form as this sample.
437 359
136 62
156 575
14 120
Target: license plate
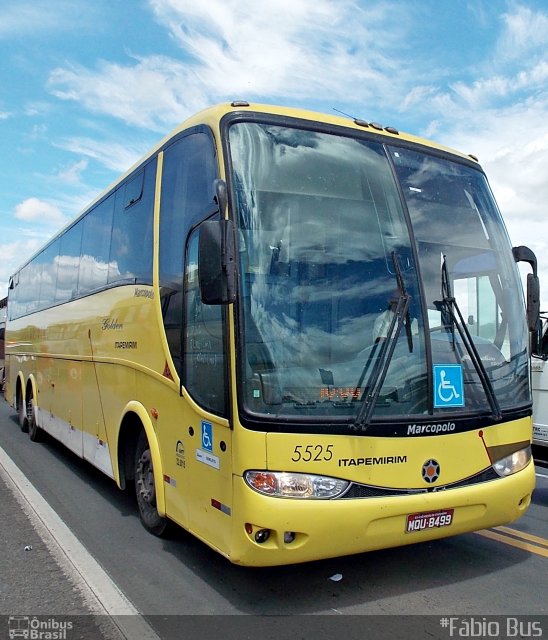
429 520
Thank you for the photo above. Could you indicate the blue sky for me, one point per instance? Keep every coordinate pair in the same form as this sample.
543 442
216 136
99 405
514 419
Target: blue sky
86 88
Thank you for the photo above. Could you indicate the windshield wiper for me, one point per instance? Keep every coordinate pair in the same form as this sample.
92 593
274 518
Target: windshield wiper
382 352
452 318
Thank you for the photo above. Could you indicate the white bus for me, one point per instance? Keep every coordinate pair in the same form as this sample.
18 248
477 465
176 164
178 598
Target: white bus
539 376
3 310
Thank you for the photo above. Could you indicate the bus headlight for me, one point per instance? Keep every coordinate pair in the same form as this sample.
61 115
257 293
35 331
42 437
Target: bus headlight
513 463
280 484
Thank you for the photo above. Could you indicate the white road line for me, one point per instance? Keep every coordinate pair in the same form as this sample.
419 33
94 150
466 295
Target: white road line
102 595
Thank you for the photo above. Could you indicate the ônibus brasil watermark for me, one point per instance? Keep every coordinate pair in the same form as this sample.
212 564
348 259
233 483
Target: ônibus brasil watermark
34 628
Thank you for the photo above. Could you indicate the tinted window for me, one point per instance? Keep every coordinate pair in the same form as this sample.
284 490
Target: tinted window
26 295
68 263
49 258
189 170
112 242
96 246
187 191
132 242
13 297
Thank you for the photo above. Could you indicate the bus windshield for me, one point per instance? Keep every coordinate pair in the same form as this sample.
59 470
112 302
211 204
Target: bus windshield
343 314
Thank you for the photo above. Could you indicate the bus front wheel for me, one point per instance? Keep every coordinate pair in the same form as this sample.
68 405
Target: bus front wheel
145 489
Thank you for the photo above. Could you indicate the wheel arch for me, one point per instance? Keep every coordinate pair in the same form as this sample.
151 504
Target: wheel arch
134 419
32 387
20 390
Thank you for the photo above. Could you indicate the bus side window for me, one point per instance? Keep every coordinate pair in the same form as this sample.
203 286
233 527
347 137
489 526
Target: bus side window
204 346
544 342
189 169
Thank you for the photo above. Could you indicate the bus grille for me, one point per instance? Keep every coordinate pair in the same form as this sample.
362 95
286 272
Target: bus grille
356 490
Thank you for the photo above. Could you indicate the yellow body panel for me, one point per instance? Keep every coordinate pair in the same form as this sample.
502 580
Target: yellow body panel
394 463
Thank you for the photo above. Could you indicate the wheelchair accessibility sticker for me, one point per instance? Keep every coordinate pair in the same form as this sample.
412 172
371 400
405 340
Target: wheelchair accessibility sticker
205 454
207 436
448 386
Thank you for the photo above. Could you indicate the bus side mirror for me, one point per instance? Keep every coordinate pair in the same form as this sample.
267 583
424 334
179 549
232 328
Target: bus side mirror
533 315
533 302
524 254
217 262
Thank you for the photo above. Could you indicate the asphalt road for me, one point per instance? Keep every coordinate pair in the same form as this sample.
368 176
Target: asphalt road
471 575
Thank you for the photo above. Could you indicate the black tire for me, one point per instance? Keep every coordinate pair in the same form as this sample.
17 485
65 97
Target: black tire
22 413
35 433
145 489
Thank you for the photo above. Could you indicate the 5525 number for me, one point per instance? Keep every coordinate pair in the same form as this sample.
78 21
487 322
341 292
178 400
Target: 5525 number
312 453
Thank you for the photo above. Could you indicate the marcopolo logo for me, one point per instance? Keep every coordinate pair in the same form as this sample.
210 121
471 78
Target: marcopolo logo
419 429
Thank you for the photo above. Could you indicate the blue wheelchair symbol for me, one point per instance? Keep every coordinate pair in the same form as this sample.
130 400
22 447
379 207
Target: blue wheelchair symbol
207 436
448 385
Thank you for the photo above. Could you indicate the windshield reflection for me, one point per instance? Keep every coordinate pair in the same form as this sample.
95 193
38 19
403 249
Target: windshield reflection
458 230
320 217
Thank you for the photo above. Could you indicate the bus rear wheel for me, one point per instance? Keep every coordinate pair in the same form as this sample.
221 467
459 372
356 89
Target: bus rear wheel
22 413
35 433
145 489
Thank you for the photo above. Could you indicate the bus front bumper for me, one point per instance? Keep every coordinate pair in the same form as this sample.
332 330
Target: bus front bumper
269 531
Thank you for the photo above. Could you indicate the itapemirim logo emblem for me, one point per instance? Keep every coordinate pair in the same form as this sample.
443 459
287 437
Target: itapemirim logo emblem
430 471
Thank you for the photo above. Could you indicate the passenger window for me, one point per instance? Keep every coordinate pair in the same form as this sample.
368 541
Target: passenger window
133 190
68 264
49 259
96 246
131 244
187 193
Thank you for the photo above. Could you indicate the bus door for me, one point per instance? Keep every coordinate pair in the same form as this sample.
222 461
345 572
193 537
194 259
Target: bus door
205 438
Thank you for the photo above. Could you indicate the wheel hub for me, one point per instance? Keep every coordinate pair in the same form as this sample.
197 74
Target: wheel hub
145 478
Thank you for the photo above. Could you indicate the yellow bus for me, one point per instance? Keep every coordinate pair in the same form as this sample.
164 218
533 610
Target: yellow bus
296 335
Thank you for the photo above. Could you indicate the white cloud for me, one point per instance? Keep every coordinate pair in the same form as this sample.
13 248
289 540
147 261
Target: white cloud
30 17
117 156
265 45
14 254
148 94
38 108
72 173
37 211
512 145
282 47
279 49
525 30
486 90
501 118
